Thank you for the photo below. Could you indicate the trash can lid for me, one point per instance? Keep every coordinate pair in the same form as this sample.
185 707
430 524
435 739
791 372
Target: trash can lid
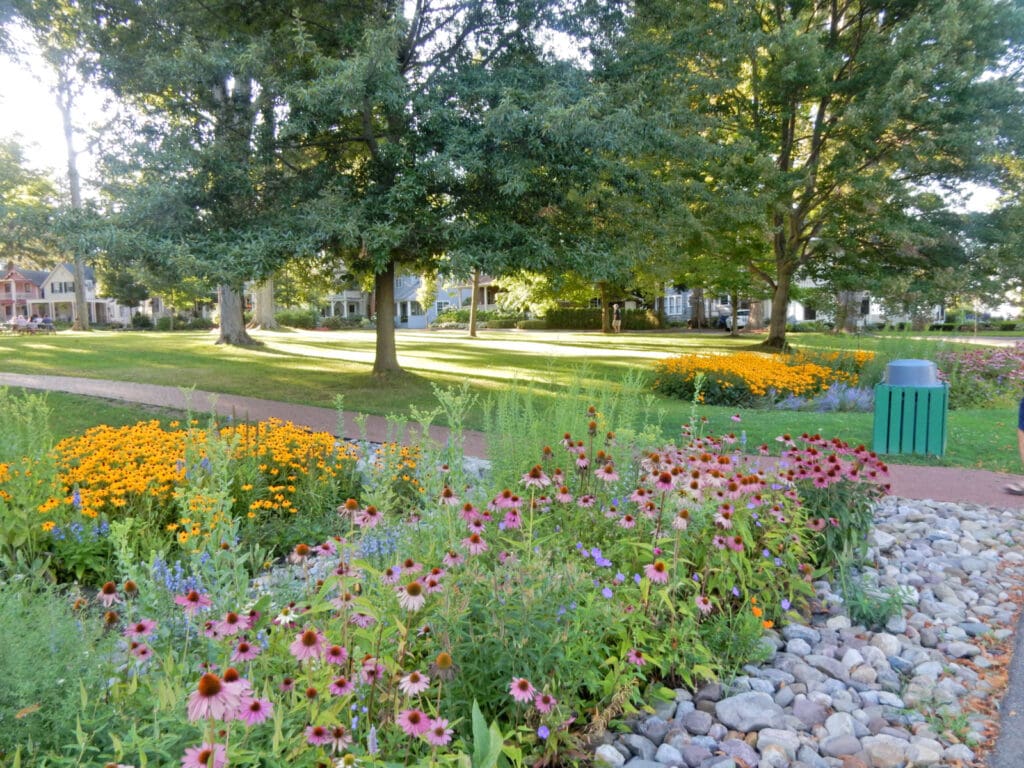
912 373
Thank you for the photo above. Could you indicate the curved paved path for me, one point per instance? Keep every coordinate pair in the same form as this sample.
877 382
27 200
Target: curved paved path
908 482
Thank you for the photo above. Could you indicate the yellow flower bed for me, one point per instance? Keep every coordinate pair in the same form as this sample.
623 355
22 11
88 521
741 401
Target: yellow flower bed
759 374
115 471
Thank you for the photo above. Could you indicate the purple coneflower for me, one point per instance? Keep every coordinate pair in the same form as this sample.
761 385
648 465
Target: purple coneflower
318 735
452 559
414 722
608 473
522 689
636 656
308 644
335 654
414 683
231 624
255 711
141 651
544 702
657 572
368 517
341 686
703 604
212 700
108 594
140 629
475 544
245 651
340 738
448 497
391 575
438 733
206 755
536 478
627 521
411 596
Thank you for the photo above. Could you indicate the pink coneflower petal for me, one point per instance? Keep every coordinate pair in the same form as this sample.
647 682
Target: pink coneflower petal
255 711
521 689
341 686
414 683
448 497
318 735
245 651
340 738
206 755
335 654
474 544
140 629
544 702
108 595
703 604
193 602
231 624
636 657
414 722
308 644
412 596
438 733
212 700
536 478
657 572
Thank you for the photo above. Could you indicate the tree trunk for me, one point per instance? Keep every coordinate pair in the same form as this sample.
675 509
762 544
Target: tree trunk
473 302
780 305
386 361
606 323
697 306
232 319
263 307
66 102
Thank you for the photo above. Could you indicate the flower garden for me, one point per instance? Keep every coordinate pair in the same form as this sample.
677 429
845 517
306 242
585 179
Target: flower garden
259 594
264 595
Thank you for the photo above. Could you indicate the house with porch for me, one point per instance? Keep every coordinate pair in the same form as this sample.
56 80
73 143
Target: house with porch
41 293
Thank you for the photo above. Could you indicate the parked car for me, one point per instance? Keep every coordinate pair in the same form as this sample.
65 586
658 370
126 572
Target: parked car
742 318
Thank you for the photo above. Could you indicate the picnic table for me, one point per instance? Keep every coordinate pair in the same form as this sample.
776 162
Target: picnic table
28 327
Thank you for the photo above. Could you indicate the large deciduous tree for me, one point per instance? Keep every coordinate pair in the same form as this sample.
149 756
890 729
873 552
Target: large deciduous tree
829 118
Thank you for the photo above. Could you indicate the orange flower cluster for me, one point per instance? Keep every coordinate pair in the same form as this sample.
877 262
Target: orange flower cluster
760 372
124 470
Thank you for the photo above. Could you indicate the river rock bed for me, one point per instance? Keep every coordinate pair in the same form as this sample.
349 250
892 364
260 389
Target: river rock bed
921 693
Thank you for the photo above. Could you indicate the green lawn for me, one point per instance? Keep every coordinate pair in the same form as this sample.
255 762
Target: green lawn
312 367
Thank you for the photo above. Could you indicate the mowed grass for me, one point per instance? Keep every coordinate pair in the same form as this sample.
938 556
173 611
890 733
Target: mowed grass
313 367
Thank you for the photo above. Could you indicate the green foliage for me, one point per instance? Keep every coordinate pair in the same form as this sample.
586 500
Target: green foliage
298 318
39 702
865 603
573 319
141 322
27 474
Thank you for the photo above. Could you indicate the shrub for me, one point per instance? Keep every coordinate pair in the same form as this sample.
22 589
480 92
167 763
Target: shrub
982 377
164 323
297 318
338 323
532 325
141 322
570 319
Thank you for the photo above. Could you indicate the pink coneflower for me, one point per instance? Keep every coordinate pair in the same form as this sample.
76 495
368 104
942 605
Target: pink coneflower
586 501
608 473
640 495
703 604
475 544
193 602
308 644
544 702
681 520
255 711
469 512
411 597
141 651
341 686
287 684
536 478
582 462
300 553
335 654
452 559
438 733
817 523
411 566
657 572
627 521
368 517
512 520
432 584
212 700
735 543
340 738
371 672
317 735
522 689
636 656
448 497
563 496
664 481
326 548
206 755
245 651
231 624
362 620
414 684
391 575
107 595
414 722
140 629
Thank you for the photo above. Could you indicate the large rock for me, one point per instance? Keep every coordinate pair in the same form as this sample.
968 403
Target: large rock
749 711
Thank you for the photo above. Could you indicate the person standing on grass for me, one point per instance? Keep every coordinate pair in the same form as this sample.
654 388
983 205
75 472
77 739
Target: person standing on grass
616 318
1017 489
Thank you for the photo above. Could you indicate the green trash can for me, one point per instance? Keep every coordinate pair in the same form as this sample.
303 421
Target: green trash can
910 409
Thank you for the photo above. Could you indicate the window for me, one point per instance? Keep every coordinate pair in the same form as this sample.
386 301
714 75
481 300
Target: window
674 305
415 308
442 306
